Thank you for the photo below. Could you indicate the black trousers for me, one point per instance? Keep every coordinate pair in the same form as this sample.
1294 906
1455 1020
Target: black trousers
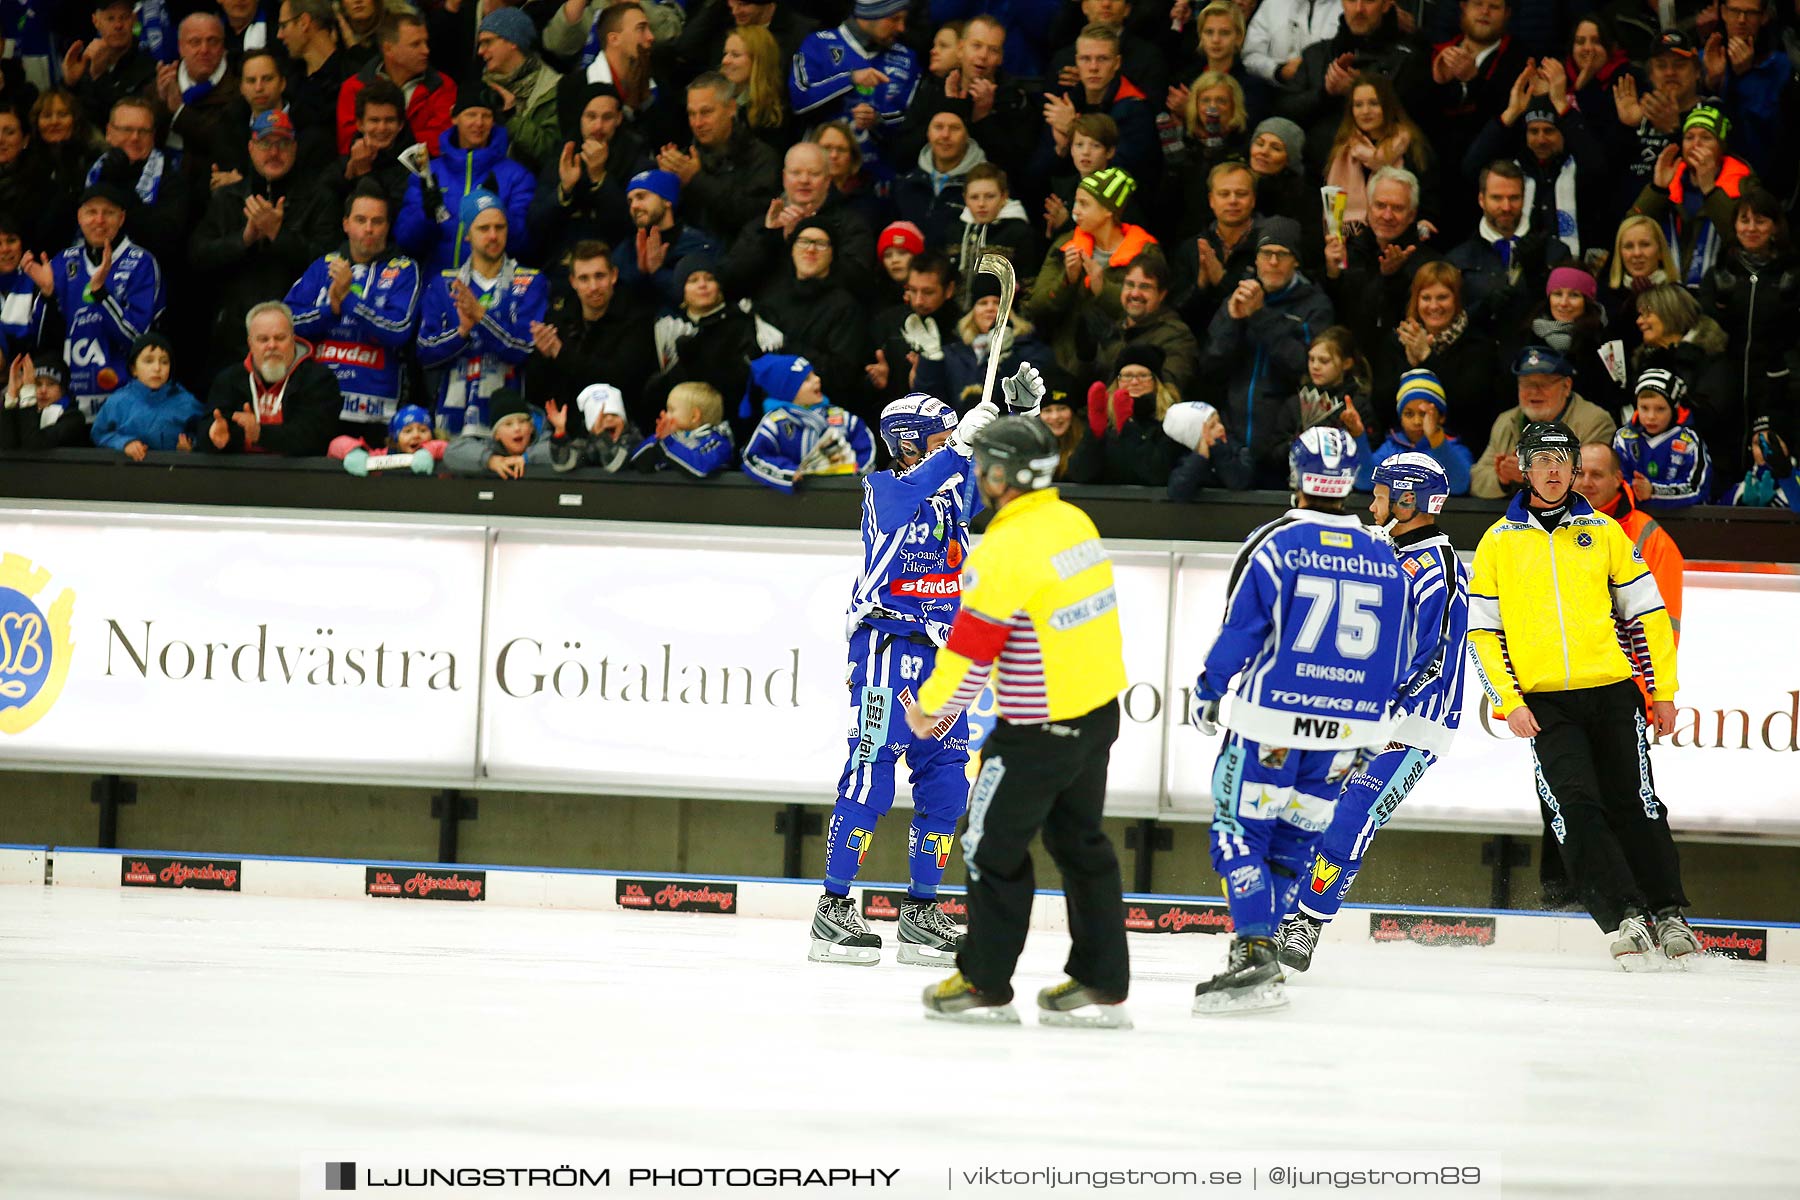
1049 777
1593 763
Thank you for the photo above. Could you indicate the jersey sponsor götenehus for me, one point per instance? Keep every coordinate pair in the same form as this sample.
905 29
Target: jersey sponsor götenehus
1316 631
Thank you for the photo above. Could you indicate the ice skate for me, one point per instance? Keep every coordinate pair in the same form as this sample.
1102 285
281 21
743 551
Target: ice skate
1677 938
1296 939
839 935
1250 982
1075 1004
927 937
955 1000
1632 946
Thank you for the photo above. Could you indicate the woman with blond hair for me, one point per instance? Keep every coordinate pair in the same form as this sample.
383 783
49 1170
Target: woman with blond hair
1215 129
752 61
1217 45
1375 132
1640 260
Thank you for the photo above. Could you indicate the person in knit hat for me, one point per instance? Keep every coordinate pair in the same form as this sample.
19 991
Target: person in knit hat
507 43
472 155
1258 341
1213 459
860 72
1084 272
1571 321
1128 417
603 435
1662 458
152 412
897 246
1421 405
511 442
1693 193
801 433
1278 163
662 241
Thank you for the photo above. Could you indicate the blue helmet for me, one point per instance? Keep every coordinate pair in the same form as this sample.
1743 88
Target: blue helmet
1322 462
411 414
1416 475
913 418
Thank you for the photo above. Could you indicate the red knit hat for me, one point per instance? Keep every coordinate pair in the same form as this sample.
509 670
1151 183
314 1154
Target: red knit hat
903 234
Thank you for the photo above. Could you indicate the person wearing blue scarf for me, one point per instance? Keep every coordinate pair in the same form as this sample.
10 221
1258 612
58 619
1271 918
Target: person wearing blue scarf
152 412
801 433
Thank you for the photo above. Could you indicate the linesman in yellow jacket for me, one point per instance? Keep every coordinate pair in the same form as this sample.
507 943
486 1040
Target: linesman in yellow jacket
1040 621
1562 614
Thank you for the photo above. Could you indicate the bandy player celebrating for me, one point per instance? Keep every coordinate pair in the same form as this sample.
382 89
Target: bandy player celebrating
1315 633
915 537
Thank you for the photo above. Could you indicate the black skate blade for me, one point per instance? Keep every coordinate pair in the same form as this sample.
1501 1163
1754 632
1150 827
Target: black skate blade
823 951
1227 1002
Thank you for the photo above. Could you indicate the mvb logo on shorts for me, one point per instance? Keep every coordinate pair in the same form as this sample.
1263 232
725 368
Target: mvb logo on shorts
1324 874
35 643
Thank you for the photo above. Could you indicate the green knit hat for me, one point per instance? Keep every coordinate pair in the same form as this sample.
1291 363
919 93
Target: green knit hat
1111 187
1706 117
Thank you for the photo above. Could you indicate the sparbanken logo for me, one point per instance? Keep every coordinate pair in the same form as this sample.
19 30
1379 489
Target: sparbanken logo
675 895
213 875
425 883
1429 930
1751 945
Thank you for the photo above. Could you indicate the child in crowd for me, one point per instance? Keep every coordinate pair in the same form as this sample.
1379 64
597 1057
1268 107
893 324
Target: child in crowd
1422 406
801 433
38 413
152 412
691 434
605 437
1214 458
1663 460
1770 482
1336 391
898 243
1093 141
409 432
511 443
992 221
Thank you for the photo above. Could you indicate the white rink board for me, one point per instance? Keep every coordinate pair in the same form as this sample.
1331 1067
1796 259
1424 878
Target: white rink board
697 662
328 649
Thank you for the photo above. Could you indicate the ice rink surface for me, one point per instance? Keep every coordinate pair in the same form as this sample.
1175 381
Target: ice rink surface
187 1044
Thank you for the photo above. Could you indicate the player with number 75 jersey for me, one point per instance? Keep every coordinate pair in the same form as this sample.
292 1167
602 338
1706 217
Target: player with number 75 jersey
1315 635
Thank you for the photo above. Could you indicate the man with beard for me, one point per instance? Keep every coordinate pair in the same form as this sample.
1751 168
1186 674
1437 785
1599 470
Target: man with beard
622 40
258 235
478 318
862 73
309 32
661 240
359 306
581 195
279 400
1150 321
1565 165
1001 119
588 335
1507 263
914 331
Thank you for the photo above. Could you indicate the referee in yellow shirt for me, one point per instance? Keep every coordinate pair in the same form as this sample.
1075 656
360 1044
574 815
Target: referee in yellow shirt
1040 618
1562 613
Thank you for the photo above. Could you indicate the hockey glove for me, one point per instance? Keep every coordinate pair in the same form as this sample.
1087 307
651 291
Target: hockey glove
1024 391
973 422
1206 718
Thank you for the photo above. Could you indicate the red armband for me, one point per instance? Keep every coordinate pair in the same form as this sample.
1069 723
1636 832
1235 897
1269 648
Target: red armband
977 638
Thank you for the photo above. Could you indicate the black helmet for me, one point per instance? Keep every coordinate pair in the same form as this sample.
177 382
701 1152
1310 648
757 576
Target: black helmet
1024 447
1548 436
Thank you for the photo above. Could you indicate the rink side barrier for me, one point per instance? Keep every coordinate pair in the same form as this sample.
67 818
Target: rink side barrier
716 896
640 660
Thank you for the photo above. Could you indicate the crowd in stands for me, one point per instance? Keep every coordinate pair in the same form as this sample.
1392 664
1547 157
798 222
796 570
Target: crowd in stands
723 234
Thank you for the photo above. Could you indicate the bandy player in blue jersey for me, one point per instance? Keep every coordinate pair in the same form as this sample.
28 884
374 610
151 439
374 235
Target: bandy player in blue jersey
915 537
1315 635
1410 490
